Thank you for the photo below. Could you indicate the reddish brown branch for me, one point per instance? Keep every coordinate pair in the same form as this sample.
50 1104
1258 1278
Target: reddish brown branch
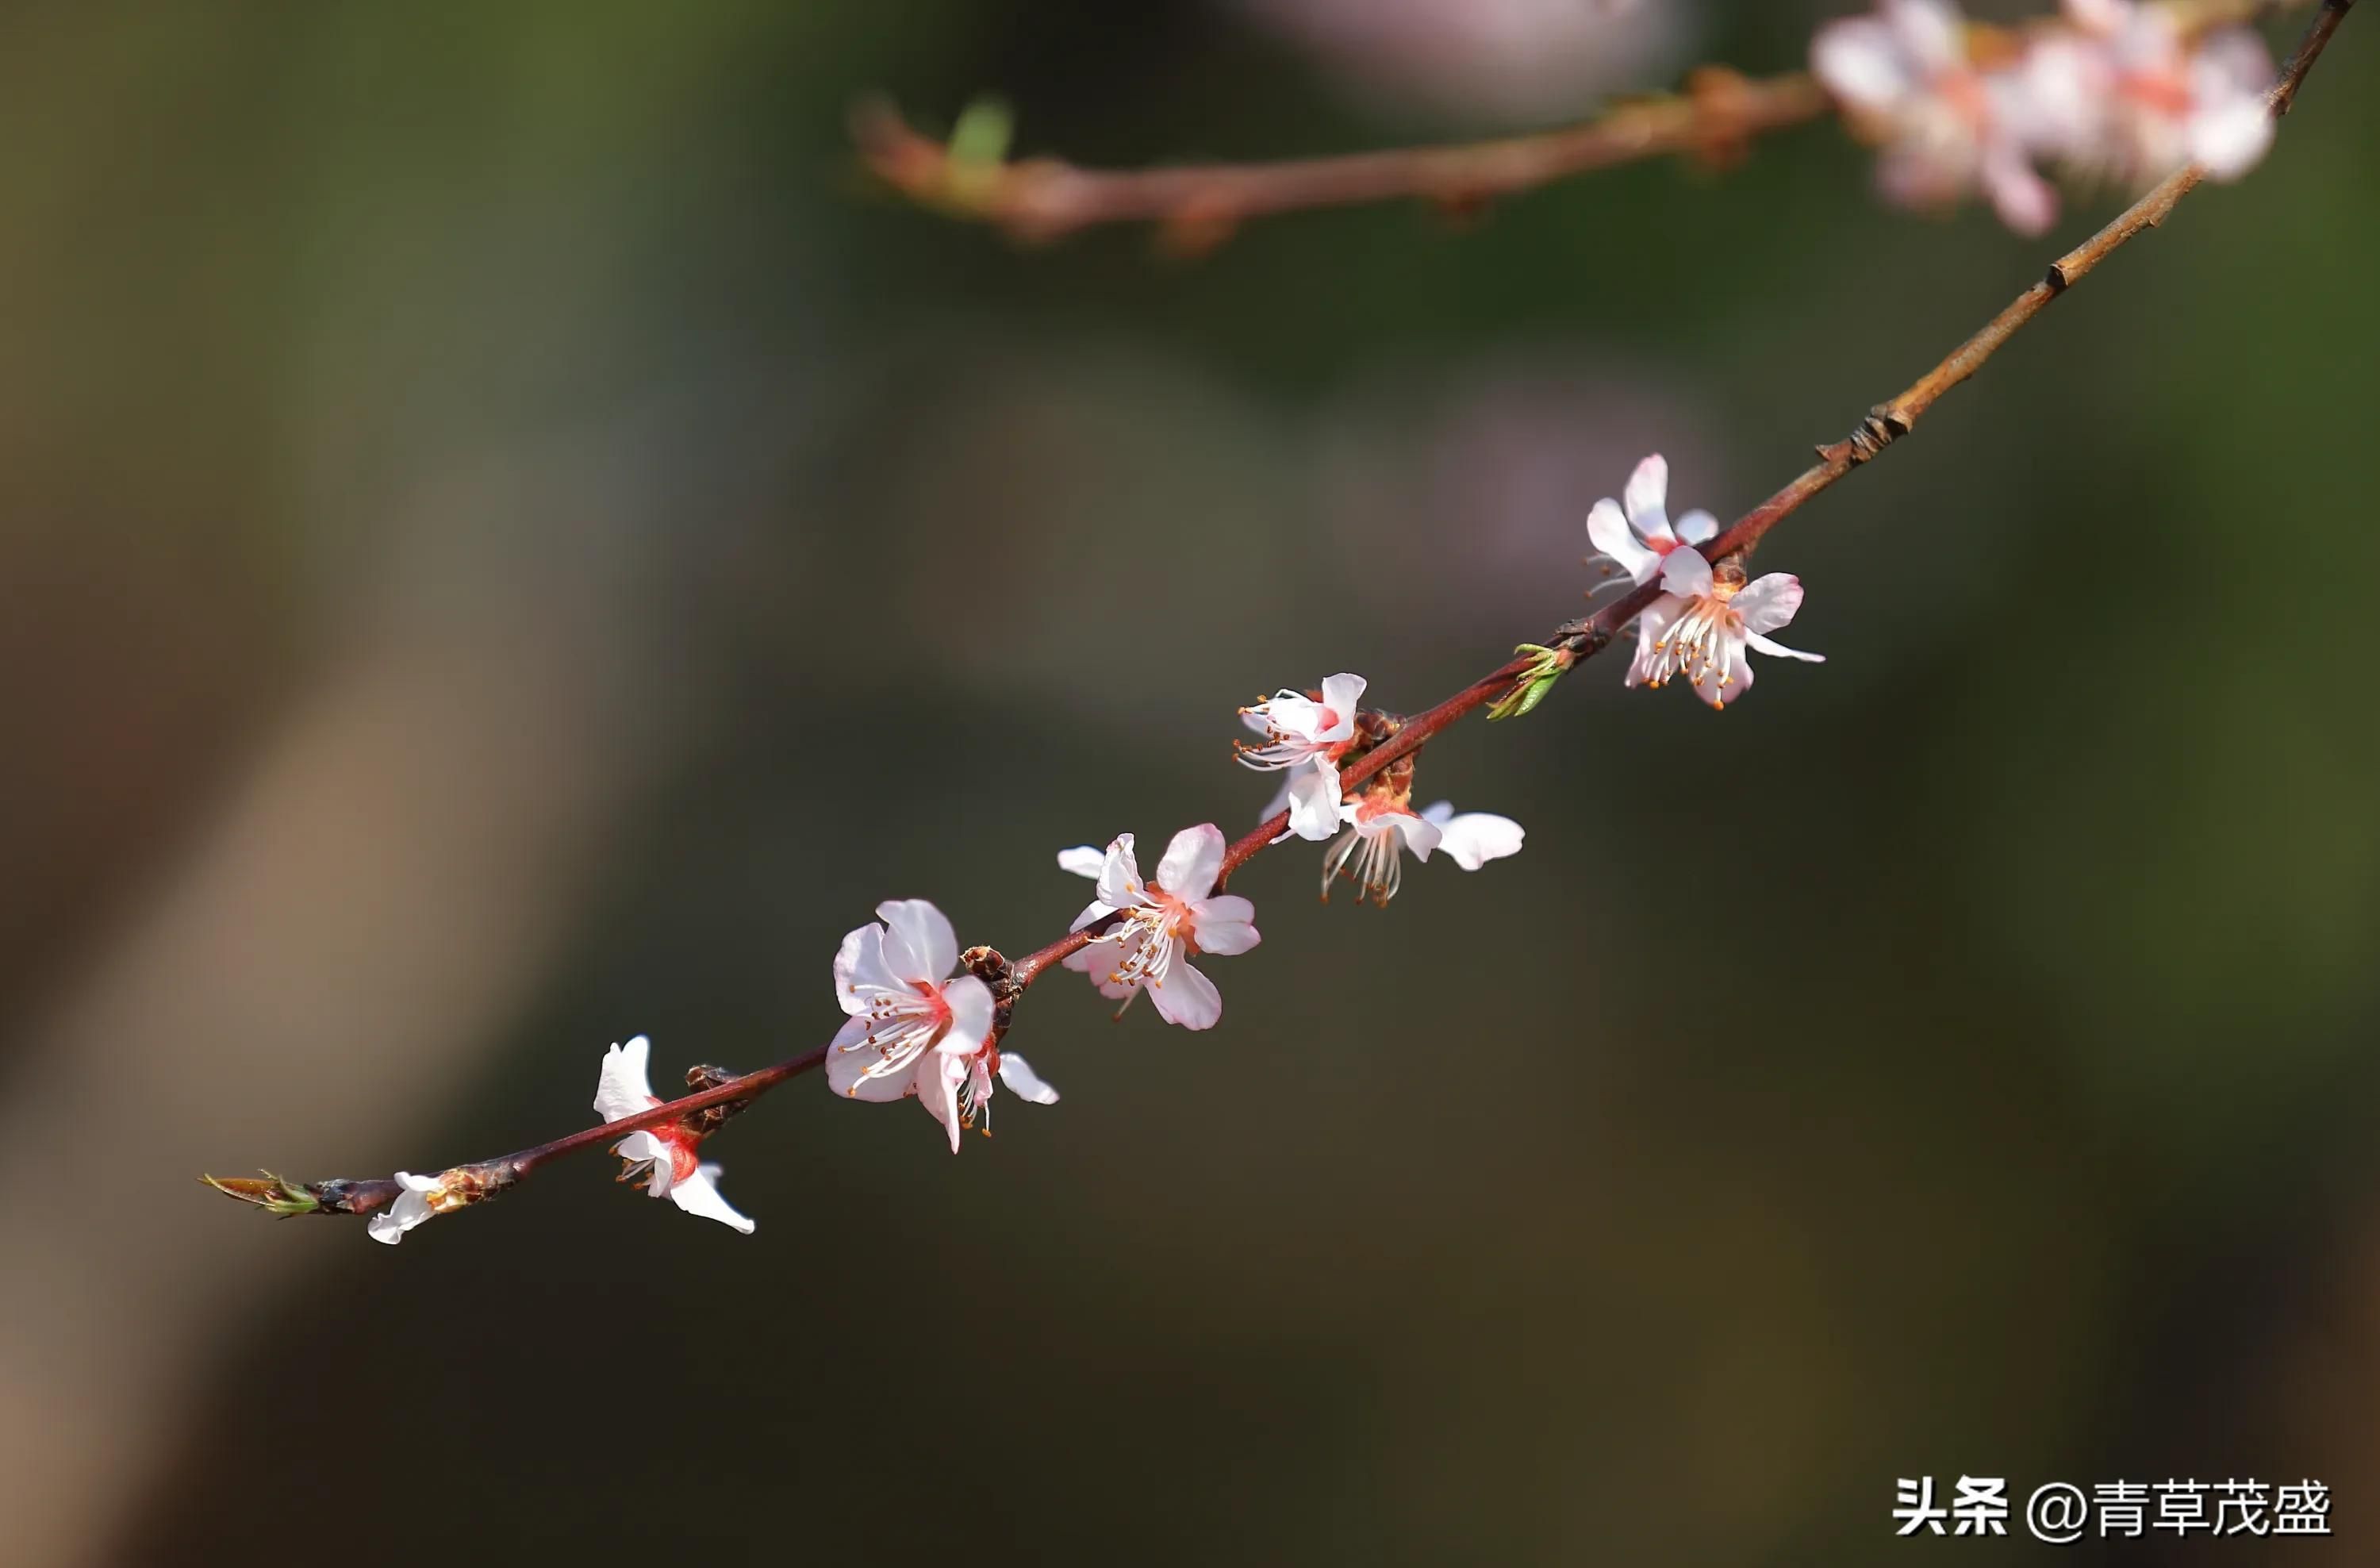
1885 423
1198 204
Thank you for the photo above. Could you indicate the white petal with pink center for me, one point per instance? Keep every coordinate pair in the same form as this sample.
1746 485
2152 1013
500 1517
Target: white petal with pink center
1947 128
1162 927
895 981
2141 99
1634 534
1371 850
1307 738
663 1155
1701 628
417 1202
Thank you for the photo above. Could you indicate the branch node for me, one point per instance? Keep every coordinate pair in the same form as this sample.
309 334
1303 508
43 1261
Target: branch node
1884 425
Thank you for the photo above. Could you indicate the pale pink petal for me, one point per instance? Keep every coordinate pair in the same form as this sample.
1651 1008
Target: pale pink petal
1223 925
1648 490
863 974
1686 574
1858 62
2231 136
698 1196
1697 527
971 1001
1931 31
622 1089
2099 16
927 932
2024 200
1608 527
1313 807
1779 650
939 1078
1771 601
1294 714
1194 858
849 1056
1023 1082
1120 885
1083 860
1413 832
1474 838
1094 910
1341 694
1187 997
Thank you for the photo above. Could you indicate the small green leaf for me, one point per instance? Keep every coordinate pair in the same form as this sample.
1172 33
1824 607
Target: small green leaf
980 139
1529 688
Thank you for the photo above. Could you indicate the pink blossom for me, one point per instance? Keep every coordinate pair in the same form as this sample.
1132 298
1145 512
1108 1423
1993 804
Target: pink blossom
664 1155
1635 535
1380 831
2131 96
915 1029
1162 928
1307 738
1947 127
1701 628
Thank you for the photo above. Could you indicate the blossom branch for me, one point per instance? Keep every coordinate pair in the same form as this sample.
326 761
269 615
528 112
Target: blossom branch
1196 205
682 1122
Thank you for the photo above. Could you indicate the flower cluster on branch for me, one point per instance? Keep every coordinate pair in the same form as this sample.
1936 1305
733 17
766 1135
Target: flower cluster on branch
2115 89
926 1020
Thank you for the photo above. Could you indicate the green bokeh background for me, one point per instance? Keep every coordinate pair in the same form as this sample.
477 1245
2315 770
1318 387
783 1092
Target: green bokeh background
1958 1058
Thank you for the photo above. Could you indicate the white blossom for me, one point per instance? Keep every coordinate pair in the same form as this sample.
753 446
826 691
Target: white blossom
1635 535
1307 738
1380 831
1163 926
665 1156
1701 628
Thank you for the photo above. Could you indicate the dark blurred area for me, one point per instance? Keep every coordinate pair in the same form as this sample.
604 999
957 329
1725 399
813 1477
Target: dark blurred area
509 544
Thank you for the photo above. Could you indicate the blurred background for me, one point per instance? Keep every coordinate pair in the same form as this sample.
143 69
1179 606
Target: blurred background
509 543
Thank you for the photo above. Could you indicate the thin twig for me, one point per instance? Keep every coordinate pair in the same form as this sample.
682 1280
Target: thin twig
1198 205
1885 423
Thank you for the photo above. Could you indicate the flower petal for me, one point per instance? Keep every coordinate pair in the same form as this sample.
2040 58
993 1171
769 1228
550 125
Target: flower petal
1608 527
622 1089
1685 573
939 1078
698 1196
862 975
1697 527
1083 860
1222 926
1341 694
2231 136
1858 62
926 932
1193 859
1648 490
853 1053
971 1009
1187 997
1023 1082
1313 810
1120 885
1779 650
1768 602
1474 838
